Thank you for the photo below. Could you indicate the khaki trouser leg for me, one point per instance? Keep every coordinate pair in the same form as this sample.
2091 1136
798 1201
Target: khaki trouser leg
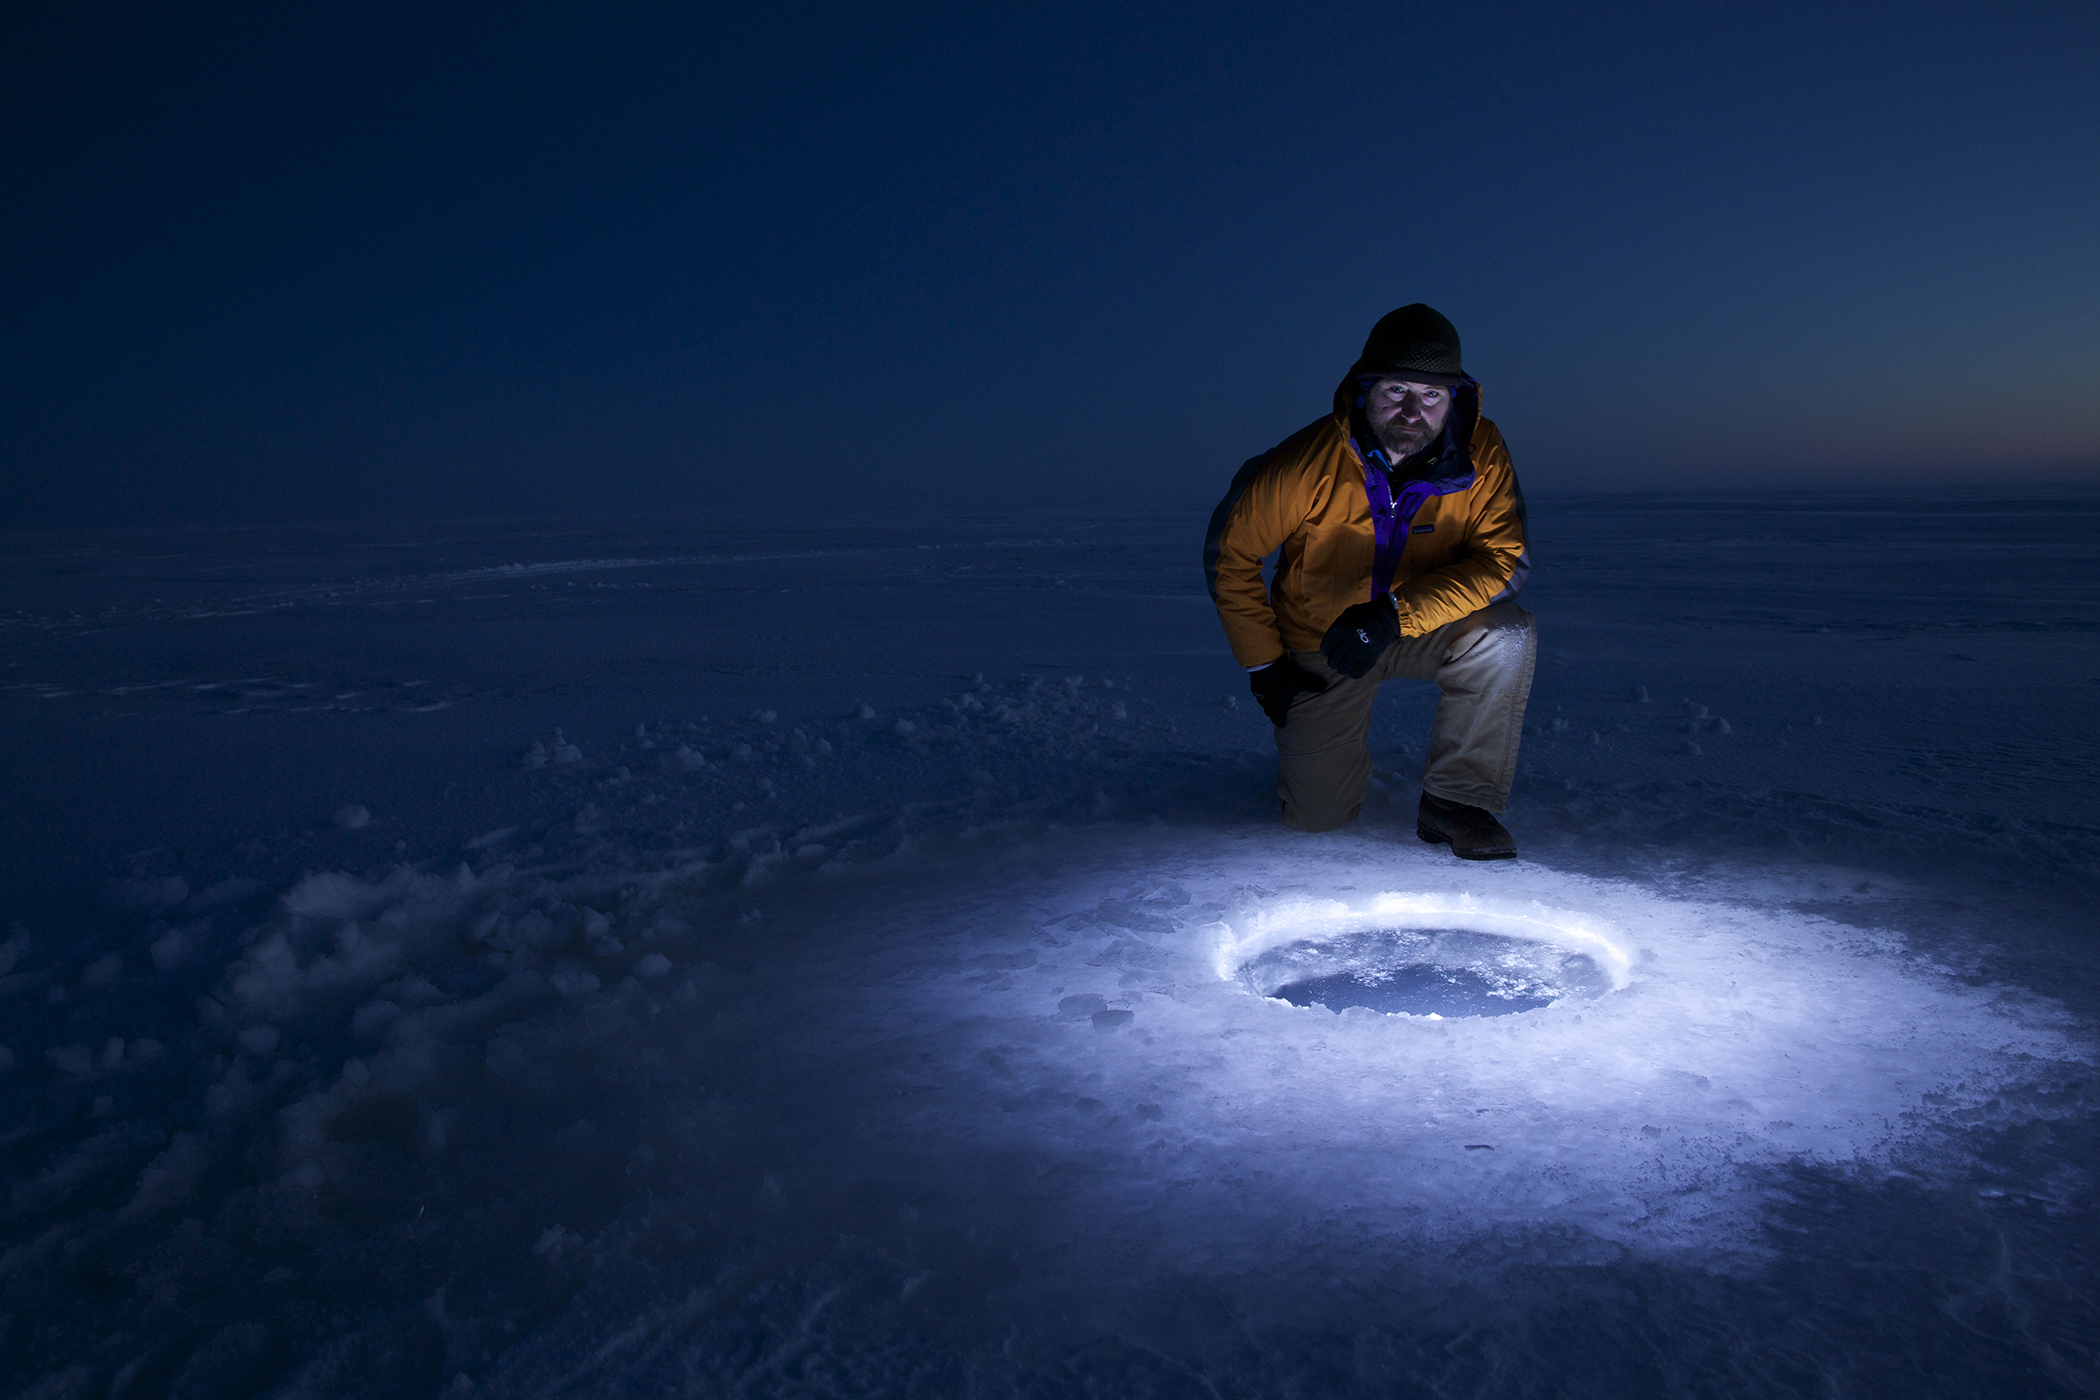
1482 663
1322 757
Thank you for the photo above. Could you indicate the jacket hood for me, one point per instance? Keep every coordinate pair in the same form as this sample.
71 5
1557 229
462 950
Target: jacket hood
1450 460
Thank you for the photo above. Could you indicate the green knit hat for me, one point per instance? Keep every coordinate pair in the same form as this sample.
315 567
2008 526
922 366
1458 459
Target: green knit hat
1412 343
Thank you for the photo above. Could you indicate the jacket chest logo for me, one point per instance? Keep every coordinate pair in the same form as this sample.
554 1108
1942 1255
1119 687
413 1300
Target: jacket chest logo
1421 529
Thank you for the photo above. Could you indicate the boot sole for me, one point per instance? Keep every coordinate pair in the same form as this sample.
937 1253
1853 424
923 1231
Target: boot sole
1437 838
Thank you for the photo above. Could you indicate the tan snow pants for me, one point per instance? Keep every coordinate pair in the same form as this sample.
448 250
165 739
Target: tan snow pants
1482 663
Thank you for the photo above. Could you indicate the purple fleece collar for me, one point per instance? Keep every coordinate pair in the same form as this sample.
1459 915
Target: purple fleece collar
1391 516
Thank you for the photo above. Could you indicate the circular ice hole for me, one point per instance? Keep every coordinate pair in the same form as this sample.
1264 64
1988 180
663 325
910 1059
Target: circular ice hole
1445 972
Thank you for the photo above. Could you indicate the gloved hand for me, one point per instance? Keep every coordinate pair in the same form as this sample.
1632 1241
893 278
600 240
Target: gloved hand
1361 635
1281 682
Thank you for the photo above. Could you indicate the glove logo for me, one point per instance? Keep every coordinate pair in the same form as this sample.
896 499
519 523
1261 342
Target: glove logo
1360 636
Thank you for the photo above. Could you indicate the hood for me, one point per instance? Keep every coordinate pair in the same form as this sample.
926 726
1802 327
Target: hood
1447 461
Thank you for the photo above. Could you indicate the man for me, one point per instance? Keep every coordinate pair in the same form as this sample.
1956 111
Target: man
1401 531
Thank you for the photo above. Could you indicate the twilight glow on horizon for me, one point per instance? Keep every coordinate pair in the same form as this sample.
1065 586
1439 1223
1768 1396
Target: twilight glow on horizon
277 266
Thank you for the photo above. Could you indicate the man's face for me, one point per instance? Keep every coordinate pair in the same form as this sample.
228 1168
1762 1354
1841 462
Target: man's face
1406 416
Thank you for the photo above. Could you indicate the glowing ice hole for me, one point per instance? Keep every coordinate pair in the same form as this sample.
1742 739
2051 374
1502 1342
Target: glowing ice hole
1424 955
1441 972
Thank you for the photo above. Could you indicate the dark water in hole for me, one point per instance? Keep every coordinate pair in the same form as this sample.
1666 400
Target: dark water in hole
1419 990
1425 971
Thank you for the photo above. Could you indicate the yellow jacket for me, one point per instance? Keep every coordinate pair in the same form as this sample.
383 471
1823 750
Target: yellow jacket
1465 547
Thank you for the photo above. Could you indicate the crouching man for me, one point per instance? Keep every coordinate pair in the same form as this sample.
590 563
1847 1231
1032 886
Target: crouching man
1402 550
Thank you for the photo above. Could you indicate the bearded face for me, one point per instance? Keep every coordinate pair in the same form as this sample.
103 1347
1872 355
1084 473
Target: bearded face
1401 440
1406 416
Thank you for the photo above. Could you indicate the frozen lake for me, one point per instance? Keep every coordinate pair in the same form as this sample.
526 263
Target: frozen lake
859 958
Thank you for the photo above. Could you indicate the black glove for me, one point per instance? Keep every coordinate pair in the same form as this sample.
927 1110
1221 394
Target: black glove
1361 635
1281 682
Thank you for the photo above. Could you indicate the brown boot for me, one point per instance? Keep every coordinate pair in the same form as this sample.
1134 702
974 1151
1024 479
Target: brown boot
1471 832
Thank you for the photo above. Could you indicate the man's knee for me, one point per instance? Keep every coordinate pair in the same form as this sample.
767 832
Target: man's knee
1500 635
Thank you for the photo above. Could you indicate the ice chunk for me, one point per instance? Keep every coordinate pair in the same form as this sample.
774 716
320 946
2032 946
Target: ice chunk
1082 1006
274 978
169 1179
573 981
336 894
76 1060
556 1241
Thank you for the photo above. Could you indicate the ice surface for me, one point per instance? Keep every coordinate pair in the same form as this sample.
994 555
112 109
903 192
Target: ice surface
677 1020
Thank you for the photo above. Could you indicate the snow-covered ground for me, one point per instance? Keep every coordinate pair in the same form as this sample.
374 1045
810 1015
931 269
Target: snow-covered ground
783 958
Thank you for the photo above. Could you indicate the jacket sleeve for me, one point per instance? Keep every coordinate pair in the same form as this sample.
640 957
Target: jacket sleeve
1264 505
1496 558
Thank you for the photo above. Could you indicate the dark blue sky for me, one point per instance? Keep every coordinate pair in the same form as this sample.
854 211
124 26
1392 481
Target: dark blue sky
378 260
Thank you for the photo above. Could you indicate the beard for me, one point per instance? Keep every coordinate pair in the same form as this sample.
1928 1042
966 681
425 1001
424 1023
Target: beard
1402 440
